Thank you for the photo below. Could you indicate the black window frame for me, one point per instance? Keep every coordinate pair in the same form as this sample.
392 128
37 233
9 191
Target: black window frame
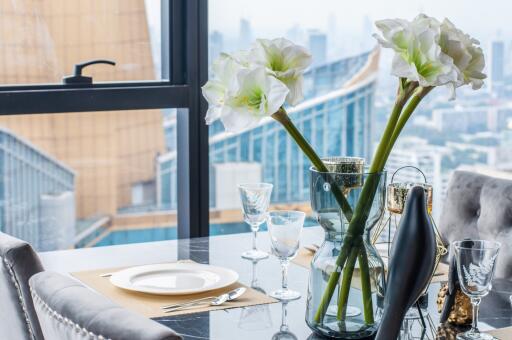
184 70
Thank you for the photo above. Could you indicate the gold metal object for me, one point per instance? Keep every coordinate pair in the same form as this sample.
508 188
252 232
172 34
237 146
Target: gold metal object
462 312
344 165
397 196
348 171
396 199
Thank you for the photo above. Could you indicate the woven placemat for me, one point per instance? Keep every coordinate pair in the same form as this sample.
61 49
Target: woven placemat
150 305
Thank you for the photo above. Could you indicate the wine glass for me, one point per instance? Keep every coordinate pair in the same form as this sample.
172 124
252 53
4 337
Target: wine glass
476 261
284 331
255 199
285 228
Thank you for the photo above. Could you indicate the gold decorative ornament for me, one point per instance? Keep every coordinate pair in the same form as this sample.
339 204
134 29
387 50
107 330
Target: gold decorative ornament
396 197
461 312
447 332
348 171
344 165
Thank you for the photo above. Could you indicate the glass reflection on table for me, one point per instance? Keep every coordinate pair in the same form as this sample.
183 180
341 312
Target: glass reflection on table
255 317
284 330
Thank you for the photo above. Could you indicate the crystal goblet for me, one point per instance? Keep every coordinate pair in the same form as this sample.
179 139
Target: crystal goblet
285 228
476 262
255 198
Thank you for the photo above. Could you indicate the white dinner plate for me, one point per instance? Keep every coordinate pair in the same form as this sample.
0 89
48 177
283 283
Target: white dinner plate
174 278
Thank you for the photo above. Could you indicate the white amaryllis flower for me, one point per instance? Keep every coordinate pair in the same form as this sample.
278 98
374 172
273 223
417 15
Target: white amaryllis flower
418 54
466 55
286 61
225 70
256 95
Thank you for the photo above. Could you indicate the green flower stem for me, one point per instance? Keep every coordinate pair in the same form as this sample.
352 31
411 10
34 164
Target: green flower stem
331 285
345 284
362 210
282 117
404 117
366 287
404 93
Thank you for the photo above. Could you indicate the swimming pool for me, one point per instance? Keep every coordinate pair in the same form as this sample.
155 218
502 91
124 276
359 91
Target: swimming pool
170 233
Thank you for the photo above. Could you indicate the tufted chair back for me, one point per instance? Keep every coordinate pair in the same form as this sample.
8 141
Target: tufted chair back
18 319
480 207
68 310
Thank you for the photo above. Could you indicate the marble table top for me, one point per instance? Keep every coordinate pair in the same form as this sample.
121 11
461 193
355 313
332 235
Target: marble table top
258 322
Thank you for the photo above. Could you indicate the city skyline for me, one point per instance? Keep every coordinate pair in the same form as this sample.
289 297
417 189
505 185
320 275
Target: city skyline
274 18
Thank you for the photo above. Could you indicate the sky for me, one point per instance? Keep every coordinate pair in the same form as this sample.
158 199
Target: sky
350 23
271 17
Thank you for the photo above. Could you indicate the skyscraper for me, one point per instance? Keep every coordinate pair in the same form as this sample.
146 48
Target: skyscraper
245 37
216 46
497 65
317 42
295 34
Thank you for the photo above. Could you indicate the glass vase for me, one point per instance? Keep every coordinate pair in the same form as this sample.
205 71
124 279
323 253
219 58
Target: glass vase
355 320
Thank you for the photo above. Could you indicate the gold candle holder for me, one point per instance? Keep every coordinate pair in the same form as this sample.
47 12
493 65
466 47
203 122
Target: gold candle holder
395 201
397 196
348 171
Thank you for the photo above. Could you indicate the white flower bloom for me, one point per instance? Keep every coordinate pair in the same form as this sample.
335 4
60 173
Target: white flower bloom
285 60
466 54
418 55
225 70
257 95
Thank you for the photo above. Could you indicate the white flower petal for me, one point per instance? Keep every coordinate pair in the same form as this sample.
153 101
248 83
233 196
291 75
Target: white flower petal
213 113
465 53
275 95
296 94
213 92
285 60
237 119
418 54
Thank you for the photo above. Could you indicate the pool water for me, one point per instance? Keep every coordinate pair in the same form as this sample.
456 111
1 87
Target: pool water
170 233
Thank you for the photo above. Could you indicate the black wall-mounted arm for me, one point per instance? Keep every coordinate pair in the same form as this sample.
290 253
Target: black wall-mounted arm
78 78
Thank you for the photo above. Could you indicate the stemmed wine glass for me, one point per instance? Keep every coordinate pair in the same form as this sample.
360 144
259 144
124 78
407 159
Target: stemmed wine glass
285 228
476 261
255 199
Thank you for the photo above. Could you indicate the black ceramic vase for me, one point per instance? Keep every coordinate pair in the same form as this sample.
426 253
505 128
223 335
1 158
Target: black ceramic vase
411 266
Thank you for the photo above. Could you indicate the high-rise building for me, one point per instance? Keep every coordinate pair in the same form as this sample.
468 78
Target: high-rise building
317 42
215 46
463 119
335 117
295 34
497 65
29 178
245 37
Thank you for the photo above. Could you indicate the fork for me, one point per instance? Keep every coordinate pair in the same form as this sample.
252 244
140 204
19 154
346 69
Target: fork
216 300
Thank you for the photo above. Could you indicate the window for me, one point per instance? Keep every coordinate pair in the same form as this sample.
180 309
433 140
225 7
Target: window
79 179
97 163
40 42
349 93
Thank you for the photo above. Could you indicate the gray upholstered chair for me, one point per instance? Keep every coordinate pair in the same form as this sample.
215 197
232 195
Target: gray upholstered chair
478 206
68 310
18 319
